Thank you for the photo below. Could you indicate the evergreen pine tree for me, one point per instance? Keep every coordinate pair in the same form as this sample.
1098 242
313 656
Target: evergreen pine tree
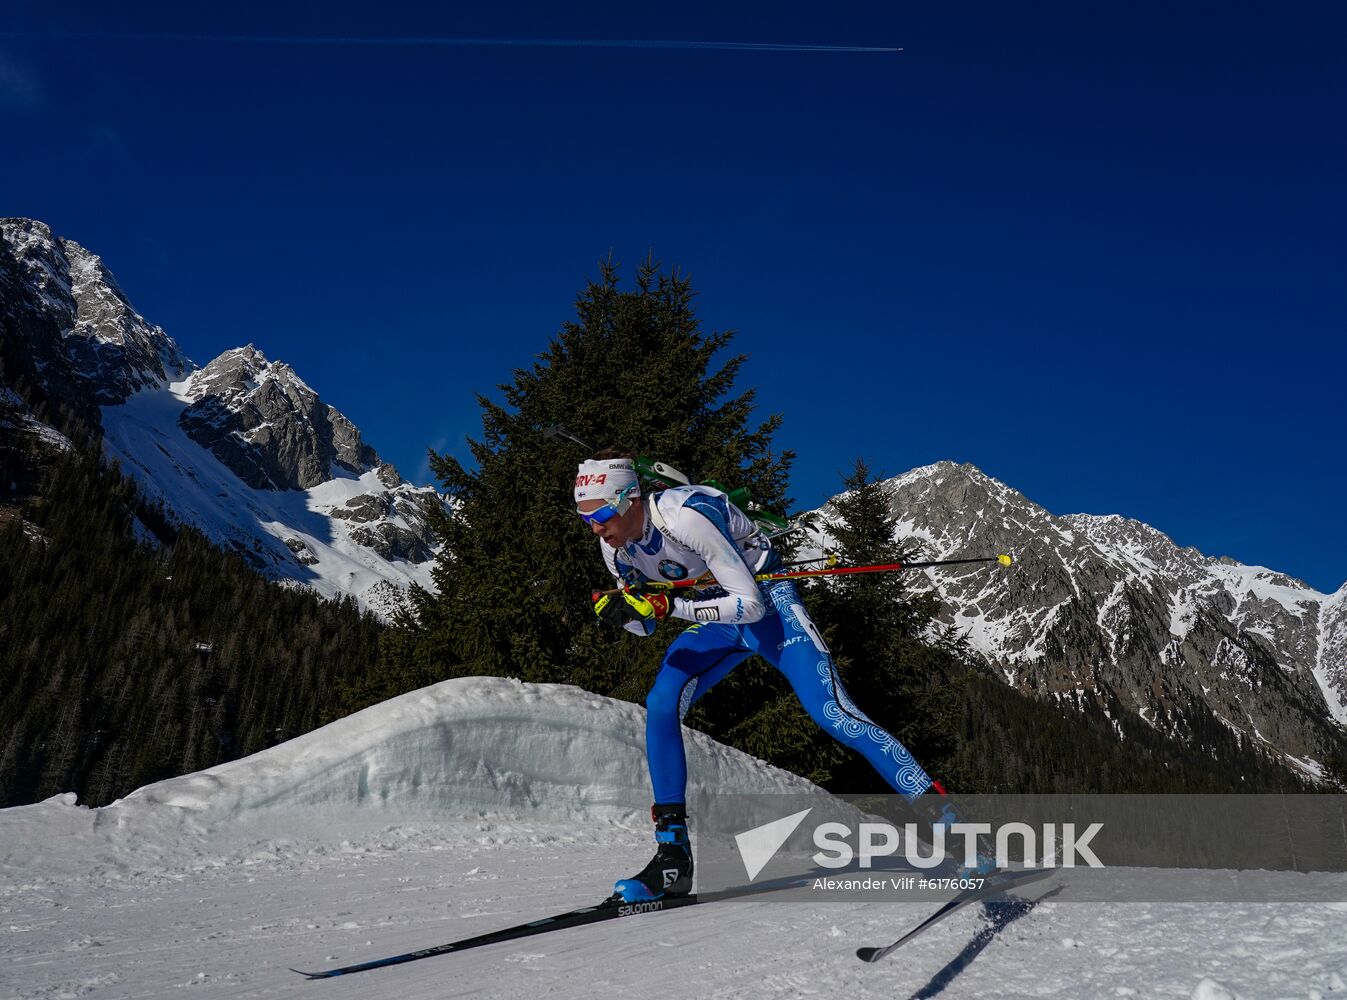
513 582
878 633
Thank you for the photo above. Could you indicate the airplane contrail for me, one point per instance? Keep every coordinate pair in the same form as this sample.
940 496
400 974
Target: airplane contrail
445 41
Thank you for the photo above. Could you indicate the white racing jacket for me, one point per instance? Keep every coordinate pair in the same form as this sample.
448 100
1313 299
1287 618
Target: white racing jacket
689 530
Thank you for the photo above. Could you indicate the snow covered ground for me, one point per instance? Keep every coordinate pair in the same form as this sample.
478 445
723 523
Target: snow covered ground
480 803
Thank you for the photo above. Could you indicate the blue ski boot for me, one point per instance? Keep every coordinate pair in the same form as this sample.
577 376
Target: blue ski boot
941 812
670 870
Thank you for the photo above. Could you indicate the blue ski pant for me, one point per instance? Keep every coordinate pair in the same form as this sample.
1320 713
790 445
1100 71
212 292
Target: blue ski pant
789 640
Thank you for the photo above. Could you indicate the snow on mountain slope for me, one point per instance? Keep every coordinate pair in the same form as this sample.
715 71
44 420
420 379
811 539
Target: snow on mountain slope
242 449
480 803
306 535
1107 607
1330 667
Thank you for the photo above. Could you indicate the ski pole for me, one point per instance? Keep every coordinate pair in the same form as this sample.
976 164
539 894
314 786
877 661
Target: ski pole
1003 559
706 579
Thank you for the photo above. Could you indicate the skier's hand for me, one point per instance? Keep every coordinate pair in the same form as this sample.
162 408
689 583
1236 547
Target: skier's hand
620 608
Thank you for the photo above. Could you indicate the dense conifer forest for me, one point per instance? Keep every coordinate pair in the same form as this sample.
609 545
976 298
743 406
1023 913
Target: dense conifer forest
127 656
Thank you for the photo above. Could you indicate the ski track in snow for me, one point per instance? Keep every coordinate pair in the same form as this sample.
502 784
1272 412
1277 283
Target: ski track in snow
233 930
220 882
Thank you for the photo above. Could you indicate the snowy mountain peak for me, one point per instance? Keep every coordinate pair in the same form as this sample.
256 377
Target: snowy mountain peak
238 373
243 449
103 341
263 421
960 481
933 471
1108 607
939 473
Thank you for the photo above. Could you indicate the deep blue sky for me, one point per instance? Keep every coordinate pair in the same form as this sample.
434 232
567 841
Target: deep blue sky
1099 255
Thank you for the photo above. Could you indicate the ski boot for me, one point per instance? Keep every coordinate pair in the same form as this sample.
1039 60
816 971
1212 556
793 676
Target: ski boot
941 812
670 870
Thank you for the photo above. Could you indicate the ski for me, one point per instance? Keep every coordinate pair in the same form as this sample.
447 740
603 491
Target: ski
609 909
995 883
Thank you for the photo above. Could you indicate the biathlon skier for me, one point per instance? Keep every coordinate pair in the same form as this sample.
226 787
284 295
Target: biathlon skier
681 533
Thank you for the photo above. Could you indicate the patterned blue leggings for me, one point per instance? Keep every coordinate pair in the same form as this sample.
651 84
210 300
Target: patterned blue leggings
787 638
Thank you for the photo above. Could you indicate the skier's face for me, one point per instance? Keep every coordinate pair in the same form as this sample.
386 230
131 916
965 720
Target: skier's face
616 531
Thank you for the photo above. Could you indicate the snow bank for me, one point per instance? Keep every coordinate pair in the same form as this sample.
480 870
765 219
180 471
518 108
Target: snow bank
1209 989
471 746
463 750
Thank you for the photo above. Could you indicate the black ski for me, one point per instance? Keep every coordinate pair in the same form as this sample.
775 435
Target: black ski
995 883
609 909
606 910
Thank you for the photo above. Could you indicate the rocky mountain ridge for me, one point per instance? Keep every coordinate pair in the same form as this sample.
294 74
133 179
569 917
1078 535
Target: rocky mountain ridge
1110 609
242 448
265 423
69 329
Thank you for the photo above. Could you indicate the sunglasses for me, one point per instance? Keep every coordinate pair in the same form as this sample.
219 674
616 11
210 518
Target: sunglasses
615 507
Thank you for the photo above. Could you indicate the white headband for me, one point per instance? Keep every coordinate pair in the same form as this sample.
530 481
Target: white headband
605 479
